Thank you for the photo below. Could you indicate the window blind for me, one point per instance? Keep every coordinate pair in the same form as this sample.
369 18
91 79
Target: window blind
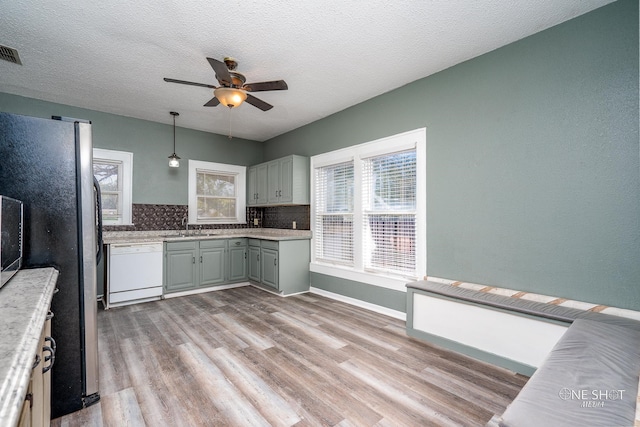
334 213
389 212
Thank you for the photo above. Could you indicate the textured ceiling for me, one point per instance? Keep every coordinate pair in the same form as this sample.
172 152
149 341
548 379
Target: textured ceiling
111 56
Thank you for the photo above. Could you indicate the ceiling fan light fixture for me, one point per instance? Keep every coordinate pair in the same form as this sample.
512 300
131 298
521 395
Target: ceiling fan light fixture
230 97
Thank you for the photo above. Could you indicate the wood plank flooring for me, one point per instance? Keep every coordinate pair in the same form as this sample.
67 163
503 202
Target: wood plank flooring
244 357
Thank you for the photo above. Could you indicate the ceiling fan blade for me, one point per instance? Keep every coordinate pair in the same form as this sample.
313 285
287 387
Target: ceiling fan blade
264 86
183 82
222 72
212 102
259 103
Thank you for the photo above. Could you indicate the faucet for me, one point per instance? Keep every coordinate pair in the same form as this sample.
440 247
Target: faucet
185 222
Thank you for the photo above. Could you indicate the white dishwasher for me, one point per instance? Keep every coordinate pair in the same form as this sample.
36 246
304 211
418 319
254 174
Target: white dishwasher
135 273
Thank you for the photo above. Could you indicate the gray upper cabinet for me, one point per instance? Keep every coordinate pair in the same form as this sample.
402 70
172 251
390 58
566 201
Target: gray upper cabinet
257 185
286 182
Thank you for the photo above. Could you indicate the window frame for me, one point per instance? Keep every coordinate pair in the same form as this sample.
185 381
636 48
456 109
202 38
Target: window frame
415 139
241 189
126 159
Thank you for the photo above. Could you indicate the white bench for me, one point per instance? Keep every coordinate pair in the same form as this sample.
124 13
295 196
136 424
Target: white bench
586 364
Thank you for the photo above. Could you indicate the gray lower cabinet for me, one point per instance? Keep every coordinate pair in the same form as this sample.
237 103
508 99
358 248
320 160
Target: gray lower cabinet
212 262
269 267
280 266
197 264
238 260
254 260
180 266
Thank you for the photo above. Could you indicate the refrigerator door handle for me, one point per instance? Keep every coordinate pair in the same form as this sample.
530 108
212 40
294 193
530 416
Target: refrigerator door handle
96 185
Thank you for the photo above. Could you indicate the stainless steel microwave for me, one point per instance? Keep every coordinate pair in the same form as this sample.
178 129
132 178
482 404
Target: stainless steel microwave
11 228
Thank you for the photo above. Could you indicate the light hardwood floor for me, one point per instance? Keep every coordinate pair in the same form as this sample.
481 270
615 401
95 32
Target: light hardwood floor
244 357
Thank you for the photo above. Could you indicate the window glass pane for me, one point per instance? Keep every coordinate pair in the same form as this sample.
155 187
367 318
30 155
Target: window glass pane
209 184
390 243
393 181
339 188
110 205
216 208
107 175
336 242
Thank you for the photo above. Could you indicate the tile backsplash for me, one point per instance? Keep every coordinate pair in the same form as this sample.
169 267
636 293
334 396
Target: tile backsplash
148 217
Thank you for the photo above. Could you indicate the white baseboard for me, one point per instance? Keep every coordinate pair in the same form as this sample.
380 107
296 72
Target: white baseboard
359 303
204 290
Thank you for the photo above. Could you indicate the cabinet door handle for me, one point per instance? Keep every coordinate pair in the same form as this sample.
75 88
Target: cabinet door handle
50 358
200 259
258 257
245 254
52 342
36 362
194 260
275 261
280 193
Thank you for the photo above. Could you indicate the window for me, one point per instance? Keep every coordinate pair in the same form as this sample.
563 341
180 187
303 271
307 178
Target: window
334 213
217 193
113 171
369 211
389 212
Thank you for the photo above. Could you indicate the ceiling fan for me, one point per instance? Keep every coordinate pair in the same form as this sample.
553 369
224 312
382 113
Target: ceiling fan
233 90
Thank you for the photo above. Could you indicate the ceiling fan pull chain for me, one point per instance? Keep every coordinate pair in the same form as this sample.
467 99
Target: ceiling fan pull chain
230 109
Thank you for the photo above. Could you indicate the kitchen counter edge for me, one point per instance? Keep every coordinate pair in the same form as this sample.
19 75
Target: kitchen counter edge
115 237
24 304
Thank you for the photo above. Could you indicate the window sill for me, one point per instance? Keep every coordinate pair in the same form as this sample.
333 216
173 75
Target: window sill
396 283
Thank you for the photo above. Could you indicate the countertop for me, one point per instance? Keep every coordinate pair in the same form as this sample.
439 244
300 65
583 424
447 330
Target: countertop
110 237
24 303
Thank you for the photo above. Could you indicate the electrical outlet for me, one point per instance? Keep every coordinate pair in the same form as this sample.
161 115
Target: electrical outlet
255 221
294 225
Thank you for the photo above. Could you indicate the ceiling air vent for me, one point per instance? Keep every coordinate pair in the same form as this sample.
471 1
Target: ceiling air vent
9 54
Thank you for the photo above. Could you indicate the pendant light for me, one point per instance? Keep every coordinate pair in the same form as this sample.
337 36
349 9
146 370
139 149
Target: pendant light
174 160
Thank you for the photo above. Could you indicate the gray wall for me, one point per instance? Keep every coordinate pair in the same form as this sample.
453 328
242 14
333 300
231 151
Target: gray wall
153 181
533 162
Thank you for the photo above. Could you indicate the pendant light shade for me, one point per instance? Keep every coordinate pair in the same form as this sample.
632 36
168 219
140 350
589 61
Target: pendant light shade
174 160
230 97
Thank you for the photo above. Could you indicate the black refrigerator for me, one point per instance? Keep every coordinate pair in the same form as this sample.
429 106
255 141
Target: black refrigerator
48 165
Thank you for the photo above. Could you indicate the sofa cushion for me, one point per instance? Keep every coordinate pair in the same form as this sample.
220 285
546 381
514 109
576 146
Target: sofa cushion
590 378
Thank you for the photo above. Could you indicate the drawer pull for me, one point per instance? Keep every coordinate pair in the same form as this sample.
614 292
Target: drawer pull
53 344
50 358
